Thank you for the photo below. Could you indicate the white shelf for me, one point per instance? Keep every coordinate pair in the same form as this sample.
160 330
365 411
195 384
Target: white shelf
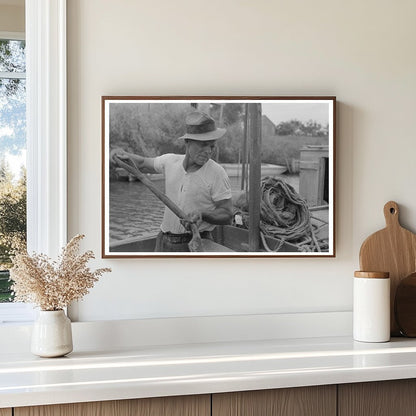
151 371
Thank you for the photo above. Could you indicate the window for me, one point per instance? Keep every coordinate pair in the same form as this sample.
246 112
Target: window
46 135
12 153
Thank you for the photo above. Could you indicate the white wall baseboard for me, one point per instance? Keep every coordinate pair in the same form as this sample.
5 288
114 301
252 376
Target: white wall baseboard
110 335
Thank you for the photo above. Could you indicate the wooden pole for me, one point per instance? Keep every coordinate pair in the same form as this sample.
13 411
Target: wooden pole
221 119
244 150
196 242
254 176
152 187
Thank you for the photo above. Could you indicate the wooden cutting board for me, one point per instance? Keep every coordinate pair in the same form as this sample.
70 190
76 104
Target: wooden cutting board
393 250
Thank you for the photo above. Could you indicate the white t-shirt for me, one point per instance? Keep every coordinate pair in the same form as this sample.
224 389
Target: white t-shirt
194 191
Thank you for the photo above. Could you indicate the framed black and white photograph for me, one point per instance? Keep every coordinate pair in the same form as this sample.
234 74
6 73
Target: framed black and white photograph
218 176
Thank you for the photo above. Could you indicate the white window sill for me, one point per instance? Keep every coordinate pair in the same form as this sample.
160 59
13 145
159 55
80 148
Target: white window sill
16 313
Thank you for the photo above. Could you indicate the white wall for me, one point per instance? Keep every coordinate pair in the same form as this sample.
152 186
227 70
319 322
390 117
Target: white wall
360 51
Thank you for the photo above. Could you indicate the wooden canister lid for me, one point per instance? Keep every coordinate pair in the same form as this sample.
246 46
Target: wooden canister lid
372 275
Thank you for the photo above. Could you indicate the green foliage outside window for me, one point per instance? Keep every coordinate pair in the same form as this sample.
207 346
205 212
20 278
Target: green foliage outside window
12 223
12 144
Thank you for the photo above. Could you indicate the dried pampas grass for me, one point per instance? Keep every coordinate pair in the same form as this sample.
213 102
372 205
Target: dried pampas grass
53 285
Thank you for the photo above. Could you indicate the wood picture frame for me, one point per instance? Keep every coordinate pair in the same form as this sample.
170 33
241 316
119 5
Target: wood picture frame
278 155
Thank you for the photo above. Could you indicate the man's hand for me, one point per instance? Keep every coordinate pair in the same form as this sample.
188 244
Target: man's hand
120 153
192 218
145 164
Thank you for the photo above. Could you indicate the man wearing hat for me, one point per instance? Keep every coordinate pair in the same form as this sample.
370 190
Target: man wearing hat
195 182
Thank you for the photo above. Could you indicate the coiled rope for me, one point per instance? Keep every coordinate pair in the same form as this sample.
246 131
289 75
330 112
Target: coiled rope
285 216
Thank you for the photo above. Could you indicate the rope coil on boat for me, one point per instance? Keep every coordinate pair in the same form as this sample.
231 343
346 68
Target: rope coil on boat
285 216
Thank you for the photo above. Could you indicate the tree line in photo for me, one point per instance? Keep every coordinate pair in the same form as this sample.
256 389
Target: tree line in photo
152 129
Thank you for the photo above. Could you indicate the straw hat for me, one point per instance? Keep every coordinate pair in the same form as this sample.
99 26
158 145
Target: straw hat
200 126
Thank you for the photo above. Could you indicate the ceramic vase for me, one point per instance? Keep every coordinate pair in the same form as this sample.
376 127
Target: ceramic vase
52 334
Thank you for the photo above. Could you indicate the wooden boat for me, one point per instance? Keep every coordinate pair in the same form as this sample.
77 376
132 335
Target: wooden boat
134 244
233 238
237 239
227 238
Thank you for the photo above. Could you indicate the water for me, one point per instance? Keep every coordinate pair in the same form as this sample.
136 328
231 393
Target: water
136 212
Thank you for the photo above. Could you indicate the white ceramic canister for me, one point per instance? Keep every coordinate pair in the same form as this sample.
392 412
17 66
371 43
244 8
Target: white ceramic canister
371 309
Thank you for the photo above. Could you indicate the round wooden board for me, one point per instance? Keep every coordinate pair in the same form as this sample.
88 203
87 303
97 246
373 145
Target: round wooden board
393 250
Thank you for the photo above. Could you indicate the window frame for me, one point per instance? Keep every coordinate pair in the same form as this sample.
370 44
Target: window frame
46 125
46 121
12 36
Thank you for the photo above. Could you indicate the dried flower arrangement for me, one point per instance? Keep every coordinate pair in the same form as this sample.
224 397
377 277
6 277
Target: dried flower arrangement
52 285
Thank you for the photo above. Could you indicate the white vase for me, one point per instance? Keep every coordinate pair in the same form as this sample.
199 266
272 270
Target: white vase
52 334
